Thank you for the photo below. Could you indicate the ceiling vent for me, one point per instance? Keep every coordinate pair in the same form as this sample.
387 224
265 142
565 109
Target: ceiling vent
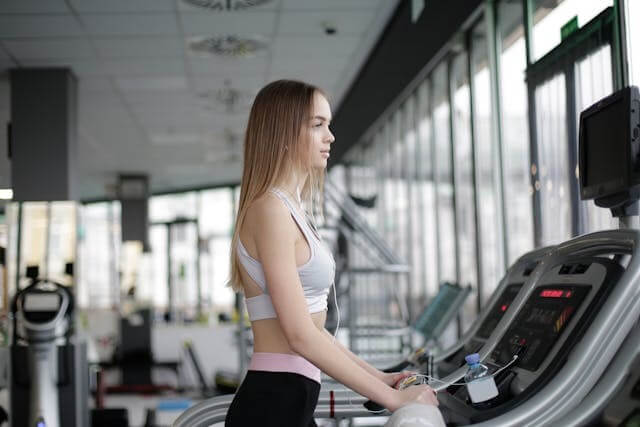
226 5
228 46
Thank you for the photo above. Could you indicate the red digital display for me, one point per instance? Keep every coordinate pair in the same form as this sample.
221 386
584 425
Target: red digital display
555 293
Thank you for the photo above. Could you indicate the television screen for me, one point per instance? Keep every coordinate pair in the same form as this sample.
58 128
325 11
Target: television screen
605 146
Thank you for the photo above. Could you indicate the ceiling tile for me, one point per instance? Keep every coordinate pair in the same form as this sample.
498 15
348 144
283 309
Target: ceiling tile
33 6
139 47
121 6
313 66
39 26
323 46
94 104
95 84
249 23
49 48
140 67
312 5
80 67
157 99
229 67
160 83
131 24
345 22
215 82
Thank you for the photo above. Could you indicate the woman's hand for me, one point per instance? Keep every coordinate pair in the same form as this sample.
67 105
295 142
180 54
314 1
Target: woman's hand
414 394
392 379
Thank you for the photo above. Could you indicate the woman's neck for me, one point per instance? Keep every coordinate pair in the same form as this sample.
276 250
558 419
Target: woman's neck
294 185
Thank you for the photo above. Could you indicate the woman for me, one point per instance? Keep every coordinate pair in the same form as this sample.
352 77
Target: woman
280 263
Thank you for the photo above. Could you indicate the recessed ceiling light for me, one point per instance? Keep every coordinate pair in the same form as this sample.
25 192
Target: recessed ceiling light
229 46
226 5
6 194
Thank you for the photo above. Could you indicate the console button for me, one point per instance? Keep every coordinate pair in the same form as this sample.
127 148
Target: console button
565 269
581 268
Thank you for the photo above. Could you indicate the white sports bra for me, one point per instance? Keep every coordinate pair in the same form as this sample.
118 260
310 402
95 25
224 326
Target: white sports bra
316 275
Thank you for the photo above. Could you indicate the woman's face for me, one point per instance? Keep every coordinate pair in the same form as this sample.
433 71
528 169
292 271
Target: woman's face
320 135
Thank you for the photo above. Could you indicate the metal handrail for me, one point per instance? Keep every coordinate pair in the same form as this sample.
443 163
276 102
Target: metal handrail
350 212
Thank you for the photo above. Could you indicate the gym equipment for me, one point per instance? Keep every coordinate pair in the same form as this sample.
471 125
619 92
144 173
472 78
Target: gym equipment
49 371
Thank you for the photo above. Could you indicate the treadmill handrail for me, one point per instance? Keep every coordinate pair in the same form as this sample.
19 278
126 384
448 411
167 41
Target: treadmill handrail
214 410
610 383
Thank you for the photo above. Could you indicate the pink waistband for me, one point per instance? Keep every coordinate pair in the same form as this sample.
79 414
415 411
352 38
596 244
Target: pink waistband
281 362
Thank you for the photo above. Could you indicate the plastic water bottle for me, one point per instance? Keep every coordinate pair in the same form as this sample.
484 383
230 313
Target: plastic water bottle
480 384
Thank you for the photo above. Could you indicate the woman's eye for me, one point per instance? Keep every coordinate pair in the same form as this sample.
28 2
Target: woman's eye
317 125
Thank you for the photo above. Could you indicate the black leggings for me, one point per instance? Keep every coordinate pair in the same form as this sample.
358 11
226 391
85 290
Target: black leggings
274 399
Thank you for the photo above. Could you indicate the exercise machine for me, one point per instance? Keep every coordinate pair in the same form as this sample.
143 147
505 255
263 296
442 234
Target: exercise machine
49 370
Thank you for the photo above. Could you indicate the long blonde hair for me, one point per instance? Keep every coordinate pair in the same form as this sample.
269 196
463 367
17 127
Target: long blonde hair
275 147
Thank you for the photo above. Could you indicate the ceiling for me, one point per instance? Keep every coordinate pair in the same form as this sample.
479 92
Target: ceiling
150 104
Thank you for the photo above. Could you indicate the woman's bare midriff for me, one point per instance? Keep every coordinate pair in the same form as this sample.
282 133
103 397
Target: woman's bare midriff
269 338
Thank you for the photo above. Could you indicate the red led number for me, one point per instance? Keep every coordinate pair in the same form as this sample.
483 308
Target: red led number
552 293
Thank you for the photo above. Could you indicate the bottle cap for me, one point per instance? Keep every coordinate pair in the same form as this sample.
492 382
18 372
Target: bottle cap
472 358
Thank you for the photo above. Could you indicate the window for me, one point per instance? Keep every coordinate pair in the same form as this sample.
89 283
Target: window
515 130
171 206
550 15
464 182
553 161
633 35
487 168
98 281
444 177
425 193
216 223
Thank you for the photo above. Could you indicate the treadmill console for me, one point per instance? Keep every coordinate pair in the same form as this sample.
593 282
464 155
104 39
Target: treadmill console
539 324
557 312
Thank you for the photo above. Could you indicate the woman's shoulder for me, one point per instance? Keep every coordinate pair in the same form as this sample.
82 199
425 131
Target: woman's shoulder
268 210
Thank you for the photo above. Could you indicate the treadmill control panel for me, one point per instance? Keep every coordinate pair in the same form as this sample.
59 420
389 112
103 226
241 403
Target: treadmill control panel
539 325
498 310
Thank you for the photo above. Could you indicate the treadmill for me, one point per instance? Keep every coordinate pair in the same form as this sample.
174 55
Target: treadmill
585 301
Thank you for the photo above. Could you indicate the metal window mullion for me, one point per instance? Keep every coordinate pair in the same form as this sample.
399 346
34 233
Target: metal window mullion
409 127
417 117
436 183
619 46
456 220
533 134
19 245
452 141
47 240
577 227
198 279
113 270
169 275
474 181
493 42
